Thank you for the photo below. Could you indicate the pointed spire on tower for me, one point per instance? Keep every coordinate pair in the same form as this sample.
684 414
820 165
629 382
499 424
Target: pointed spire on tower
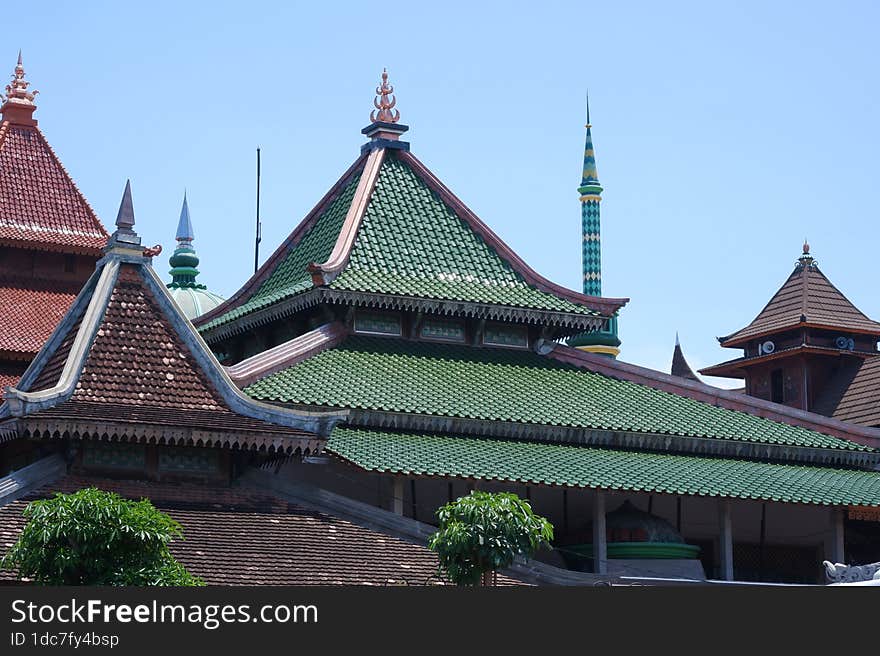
603 341
384 130
590 176
184 261
125 236
184 225
18 103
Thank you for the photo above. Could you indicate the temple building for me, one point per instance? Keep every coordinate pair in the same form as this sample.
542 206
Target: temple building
809 348
193 298
392 301
392 354
50 239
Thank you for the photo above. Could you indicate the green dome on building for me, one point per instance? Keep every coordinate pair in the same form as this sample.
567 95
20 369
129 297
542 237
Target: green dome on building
192 298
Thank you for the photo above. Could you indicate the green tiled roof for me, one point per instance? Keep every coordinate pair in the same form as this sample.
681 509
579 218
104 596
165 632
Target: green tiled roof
496 384
553 464
291 277
411 243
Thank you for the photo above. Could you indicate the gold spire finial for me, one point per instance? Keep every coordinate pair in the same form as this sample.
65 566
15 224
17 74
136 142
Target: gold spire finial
806 247
16 91
385 102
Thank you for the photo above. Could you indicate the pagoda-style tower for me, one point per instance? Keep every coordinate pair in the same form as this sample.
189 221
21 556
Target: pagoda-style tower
604 341
50 238
191 297
805 348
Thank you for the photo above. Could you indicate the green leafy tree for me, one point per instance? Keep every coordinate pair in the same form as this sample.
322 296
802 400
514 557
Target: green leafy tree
484 532
92 537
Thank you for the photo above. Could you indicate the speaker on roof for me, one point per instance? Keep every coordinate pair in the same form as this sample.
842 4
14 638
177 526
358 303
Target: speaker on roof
768 347
845 343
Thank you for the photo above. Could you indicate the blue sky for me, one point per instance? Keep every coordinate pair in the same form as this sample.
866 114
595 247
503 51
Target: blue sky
725 133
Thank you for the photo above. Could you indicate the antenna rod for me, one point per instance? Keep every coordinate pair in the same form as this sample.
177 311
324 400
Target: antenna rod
259 225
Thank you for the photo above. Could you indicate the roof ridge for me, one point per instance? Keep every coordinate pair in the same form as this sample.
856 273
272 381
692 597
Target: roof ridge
251 286
287 353
325 272
700 391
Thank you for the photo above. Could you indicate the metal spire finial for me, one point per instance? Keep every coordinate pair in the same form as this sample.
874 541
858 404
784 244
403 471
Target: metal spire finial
125 215
16 91
385 102
588 125
184 225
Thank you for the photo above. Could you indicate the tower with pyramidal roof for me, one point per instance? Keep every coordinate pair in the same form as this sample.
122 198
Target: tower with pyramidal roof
809 348
50 238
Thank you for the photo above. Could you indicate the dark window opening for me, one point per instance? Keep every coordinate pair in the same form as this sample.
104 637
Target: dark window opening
776 387
69 263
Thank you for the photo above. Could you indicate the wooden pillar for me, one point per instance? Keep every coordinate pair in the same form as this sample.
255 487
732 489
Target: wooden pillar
836 552
397 495
725 552
600 543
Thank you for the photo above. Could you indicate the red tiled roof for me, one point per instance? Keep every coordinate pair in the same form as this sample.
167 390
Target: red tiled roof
239 536
40 206
807 293
7 379
29 312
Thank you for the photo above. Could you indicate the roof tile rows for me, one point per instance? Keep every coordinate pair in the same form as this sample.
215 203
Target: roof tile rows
509 385
139 370
415 454
39 203
852 393
410 243
30 312
235 536
291 276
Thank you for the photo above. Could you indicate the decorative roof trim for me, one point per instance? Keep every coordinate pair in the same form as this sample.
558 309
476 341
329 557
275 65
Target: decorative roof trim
37 428
654 442
722 398
23 403
733 342
317 295
733 368
323 274
607 306
252 285
287 354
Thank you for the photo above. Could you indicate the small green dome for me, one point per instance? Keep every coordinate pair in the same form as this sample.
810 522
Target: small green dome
194 301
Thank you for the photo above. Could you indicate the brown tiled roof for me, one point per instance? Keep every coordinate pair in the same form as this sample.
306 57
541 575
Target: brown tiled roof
809 294
853 393
139 371
40 206
29 312
239 536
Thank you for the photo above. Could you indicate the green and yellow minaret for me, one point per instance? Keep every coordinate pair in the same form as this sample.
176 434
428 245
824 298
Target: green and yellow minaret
604 341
